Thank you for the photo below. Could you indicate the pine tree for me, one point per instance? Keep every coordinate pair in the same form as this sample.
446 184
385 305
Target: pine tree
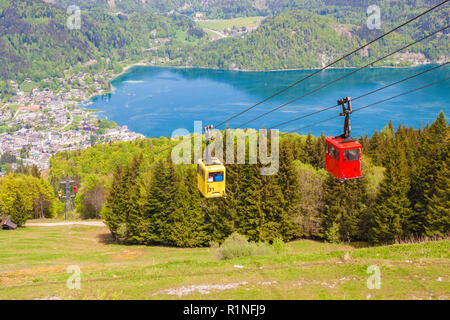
159 203
137 225
344 205
393 207
274 218
18 211
434 151
438 207
309 148
289 184
186 222
319 152
250 217
113 212
373 149
221 214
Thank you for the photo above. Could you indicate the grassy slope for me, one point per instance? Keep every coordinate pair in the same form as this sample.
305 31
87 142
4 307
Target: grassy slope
222 24
33 264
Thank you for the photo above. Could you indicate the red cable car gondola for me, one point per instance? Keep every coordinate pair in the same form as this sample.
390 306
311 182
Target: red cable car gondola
343 154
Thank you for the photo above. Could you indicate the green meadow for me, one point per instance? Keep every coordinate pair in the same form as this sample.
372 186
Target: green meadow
34 263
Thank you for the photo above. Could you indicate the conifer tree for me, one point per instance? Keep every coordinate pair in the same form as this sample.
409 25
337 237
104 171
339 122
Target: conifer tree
159 203
344 204
137 225
309 148
288 182
186 222
219 219
18 211
438 208
319 152
274 218
113 212
250 216
434 151
393 207
373 149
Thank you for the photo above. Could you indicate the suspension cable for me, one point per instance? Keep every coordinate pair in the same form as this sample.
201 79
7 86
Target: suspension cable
344 76
359 97
373 104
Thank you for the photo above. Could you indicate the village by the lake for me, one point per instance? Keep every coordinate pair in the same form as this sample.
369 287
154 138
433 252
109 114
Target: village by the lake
37 124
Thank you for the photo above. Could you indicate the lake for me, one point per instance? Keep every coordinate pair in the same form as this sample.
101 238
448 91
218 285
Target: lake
154 101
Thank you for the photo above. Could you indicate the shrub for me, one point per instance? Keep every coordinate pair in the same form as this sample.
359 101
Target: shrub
332 234
278 245
237 245
18 211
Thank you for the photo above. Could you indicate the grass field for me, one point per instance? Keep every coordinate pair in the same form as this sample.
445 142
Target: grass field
34 261
221 25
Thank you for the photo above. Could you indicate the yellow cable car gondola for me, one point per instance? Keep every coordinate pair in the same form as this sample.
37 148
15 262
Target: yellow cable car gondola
211 173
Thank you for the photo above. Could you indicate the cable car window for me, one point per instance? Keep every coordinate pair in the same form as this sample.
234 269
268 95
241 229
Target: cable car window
351 155
215 177
332 151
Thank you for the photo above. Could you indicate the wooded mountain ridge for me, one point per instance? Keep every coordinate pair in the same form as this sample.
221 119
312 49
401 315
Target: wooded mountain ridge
35 41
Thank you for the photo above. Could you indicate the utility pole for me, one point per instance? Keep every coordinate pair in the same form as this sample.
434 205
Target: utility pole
68 194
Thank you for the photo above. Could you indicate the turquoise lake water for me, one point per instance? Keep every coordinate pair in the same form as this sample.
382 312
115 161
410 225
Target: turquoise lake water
155 101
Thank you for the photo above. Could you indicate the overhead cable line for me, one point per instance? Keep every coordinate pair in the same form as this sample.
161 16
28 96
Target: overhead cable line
325 67
359 97
344 76
316 112
332 63
372 104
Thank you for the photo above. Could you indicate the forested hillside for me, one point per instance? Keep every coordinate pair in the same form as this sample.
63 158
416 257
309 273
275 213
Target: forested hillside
35 41
226 9
404 192
298 39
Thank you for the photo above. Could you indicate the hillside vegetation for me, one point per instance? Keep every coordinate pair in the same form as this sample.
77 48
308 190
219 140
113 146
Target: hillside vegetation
299 39
228 9
35 41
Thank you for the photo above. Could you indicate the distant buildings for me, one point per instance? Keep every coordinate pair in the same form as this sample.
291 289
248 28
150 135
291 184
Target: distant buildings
42 123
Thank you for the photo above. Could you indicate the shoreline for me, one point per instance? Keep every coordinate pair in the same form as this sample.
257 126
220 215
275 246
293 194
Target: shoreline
142 64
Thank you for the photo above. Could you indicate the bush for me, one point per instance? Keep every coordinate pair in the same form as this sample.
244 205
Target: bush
18 211
237 245
278 245
332 235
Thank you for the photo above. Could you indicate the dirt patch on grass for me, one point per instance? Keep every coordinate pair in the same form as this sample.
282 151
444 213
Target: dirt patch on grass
126 254
208 288
202 289
30 274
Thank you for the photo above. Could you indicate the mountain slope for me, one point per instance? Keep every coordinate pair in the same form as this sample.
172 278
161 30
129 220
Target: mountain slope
35 41
299 39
